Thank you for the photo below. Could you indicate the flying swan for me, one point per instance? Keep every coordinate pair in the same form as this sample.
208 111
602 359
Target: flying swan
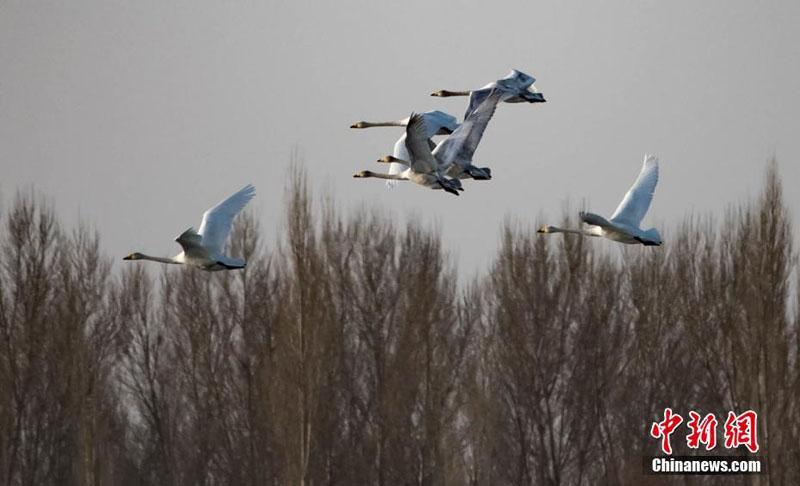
517 88
423 168
436 123
623 226
203 248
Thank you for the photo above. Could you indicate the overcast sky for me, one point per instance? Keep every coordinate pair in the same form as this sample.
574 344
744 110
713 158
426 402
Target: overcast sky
138 116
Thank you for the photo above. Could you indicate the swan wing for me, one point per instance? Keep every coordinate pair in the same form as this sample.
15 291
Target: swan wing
217 221
516 81
417 145
477 97
637 200
594 219
395 168
436 120
460 146
191 242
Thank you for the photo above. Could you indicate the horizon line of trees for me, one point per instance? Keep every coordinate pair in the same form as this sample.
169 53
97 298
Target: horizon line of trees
348 354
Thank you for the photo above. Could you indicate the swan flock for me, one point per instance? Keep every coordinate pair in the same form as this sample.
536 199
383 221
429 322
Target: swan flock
440 166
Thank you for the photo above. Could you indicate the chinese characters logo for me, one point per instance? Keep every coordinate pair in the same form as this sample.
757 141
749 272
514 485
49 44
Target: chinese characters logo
739 430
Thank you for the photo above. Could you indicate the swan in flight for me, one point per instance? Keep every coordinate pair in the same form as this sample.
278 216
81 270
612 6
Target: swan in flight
454 153
203 248
436 123
422 167
517 86
623 226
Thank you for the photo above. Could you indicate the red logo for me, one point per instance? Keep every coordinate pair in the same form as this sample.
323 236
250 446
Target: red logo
702 432
665 428
739 430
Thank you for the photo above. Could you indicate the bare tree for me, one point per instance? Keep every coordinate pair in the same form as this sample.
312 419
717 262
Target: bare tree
349 355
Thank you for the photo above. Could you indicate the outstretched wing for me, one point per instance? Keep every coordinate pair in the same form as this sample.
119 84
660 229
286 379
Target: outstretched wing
516 81
593 219
437 120
217 221
395 168
477 97
191 242
417 145
637 200
460 147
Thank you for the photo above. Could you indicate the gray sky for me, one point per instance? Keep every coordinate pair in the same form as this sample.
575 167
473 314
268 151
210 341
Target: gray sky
138 116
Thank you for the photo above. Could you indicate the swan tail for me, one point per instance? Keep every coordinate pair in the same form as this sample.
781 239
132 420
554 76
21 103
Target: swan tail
448 186
232 264
480 174
650 237
533 97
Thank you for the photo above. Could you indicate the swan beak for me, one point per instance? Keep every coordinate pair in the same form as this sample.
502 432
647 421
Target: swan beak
353 125
386 159
543 229
129 257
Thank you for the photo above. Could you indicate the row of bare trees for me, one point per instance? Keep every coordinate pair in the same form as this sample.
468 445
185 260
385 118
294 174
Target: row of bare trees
348 354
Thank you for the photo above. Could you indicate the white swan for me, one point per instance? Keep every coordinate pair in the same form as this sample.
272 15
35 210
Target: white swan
623 226
203 248
517 87
422 168
436 123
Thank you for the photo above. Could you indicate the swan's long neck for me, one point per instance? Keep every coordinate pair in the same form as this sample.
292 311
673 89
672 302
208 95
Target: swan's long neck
396 123
395 177
583 232
158 259
446 93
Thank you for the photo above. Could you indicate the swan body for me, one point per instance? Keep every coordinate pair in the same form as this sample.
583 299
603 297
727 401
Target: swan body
203 248
623 226
517 87
436 123
421 166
